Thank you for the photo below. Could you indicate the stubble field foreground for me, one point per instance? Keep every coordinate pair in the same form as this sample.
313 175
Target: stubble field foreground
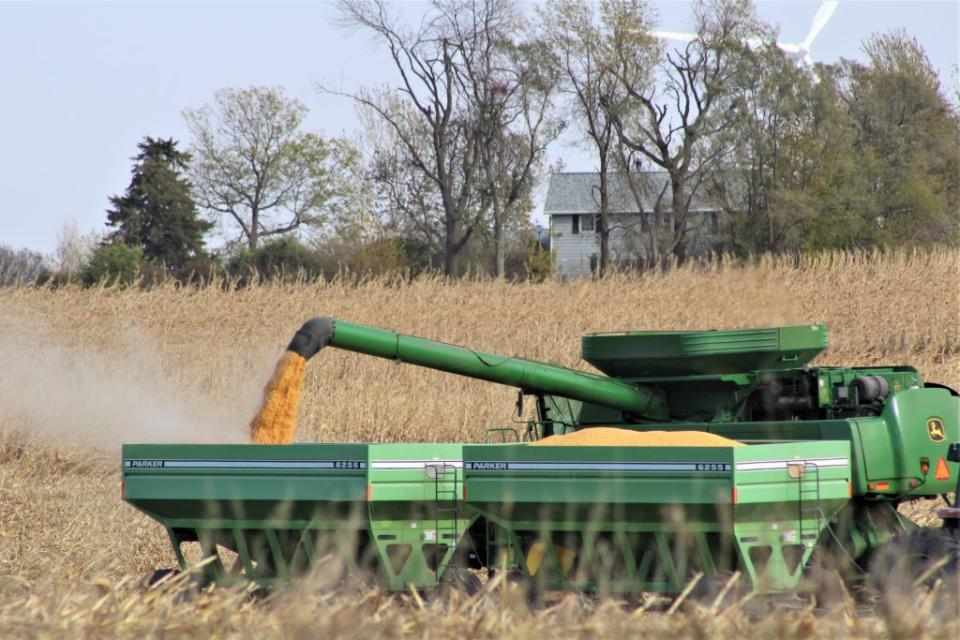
82 370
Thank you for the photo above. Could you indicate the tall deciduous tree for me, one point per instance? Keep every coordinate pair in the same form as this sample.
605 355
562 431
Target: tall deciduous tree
428 115
510 85
461 119
867 156
256 170
908 135
676 122
157 213
583 45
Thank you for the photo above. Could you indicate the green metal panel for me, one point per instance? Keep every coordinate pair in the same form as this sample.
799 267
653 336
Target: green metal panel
895 444
638 354
679 509
280 507
417 518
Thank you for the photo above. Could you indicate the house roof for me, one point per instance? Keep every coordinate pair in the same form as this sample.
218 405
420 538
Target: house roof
579 192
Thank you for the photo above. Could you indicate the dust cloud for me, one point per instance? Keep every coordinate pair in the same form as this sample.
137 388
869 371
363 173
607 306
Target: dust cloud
72 397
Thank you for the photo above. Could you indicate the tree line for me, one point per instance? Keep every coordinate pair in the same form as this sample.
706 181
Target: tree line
442 176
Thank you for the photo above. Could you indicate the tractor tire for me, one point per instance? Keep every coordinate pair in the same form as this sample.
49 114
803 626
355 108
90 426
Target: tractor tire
158 576
823 584
458 579
527 587
920 557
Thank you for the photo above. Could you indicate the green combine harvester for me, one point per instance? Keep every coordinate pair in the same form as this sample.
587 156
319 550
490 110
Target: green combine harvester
828 454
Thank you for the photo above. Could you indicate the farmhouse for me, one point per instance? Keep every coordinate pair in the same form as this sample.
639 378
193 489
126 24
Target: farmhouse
639 214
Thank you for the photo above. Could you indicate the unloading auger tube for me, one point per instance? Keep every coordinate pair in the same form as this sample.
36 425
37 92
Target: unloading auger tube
528 375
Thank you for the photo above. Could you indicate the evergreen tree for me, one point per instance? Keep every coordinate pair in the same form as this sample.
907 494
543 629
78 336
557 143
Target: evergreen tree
157 213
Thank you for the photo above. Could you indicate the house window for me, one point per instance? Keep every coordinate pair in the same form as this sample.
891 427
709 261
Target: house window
587 222
576 224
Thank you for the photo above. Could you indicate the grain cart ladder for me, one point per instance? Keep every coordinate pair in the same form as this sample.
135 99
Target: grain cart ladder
446 514
809 511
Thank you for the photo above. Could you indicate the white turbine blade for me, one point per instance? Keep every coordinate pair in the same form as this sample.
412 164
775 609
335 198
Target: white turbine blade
819 22
792 50
674 35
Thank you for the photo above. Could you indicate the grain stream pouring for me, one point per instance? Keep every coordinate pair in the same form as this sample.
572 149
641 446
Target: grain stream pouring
276 421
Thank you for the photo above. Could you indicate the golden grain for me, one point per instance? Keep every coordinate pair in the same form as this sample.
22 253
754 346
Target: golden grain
612 437
276 421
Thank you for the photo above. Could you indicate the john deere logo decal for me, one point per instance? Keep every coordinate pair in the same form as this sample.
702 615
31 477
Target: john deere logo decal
935 429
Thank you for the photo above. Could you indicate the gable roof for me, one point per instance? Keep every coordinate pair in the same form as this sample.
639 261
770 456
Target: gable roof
579 192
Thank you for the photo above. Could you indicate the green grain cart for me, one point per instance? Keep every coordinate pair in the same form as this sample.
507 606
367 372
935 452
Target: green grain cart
831 452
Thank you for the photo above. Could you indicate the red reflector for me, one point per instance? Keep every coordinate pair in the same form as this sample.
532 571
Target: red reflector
734 496
878 486
368 493
849 489
464 494
943 471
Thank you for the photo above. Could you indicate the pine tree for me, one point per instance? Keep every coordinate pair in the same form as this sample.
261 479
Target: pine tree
157 213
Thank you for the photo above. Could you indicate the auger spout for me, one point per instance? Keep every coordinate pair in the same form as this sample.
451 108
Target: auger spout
527 375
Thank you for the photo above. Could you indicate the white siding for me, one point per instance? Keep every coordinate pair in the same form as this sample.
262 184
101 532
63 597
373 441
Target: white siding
571 251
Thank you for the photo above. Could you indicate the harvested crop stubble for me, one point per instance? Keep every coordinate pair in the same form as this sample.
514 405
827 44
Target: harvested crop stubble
613 437
276 421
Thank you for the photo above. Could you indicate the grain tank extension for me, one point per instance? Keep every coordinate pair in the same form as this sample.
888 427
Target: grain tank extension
818 458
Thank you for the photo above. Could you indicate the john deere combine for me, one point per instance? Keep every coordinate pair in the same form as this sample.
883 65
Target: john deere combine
817 459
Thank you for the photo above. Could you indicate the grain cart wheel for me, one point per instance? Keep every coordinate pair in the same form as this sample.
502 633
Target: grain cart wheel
920 557
527 586
160 575
460 580
822 583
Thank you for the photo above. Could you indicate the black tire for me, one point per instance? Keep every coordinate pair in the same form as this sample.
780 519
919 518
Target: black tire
461 580
160 575
912 557
822 585
528 587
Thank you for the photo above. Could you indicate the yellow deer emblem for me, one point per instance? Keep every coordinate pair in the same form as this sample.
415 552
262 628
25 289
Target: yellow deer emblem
935 430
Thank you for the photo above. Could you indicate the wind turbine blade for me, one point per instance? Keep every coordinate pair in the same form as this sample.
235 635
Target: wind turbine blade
792 50
819 22
674 35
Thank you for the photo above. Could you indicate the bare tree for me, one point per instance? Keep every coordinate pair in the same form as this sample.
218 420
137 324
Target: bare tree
676 123
582 38
19 268
406 201
429 63
510 85
74 248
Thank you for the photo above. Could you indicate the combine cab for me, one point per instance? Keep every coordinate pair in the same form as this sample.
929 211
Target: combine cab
818 459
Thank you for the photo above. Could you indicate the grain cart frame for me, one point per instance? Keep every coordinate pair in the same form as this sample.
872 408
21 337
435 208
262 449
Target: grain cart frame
830 453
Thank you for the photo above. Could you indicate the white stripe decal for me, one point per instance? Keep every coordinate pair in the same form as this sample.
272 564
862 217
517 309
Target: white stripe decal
769 465
414 464
695 467
245 464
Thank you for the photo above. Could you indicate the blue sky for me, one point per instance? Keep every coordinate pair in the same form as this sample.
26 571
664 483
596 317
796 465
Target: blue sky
84 82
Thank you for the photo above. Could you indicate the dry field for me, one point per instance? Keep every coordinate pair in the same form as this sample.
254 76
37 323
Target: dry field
83 370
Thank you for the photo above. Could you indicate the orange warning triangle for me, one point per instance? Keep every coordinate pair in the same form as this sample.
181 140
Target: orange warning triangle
942 472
